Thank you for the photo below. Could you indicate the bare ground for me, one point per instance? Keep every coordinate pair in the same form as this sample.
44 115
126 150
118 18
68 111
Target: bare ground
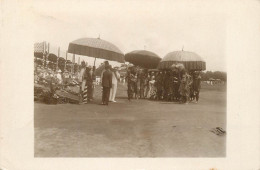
140 128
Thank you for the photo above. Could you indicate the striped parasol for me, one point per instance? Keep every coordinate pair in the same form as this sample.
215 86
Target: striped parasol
39 49
97 48
190 60
143 58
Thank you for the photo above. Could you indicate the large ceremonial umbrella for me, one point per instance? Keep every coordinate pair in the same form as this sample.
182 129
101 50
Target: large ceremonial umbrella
190 60
52 57
38 55
143 58
97 48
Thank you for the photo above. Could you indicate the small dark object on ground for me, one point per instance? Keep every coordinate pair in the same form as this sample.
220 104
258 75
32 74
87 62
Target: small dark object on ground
218 131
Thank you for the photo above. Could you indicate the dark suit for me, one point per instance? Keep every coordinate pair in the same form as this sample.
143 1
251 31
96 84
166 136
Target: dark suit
107 84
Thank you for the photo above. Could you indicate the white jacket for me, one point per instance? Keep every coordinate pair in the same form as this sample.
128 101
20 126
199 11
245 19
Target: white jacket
115 77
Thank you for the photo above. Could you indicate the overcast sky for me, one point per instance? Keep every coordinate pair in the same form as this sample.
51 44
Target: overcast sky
161 26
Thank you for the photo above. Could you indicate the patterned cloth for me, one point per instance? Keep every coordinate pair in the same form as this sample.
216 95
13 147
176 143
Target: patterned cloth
131 81
153 90
143 85
39 47
85 95
184 88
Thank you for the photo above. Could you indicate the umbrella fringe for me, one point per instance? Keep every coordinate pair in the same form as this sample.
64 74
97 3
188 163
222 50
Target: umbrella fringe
189 65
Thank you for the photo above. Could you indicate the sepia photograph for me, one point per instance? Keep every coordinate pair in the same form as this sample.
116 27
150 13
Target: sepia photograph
129 84
129 79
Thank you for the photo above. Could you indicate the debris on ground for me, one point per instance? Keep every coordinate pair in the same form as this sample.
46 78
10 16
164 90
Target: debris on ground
218 131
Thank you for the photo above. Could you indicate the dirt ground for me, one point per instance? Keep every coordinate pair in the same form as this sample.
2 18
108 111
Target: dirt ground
140 128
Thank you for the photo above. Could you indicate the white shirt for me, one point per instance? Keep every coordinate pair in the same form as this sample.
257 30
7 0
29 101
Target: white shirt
81 73
59 76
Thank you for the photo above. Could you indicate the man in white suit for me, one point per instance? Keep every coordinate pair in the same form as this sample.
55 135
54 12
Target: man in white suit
115 78
80 78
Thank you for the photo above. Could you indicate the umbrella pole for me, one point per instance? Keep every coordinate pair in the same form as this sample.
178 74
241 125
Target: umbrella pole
95 61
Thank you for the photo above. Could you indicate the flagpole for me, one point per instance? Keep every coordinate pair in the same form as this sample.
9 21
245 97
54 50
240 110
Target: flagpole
44 54
48 51
78 64
95 61
57 66
66 60
73 63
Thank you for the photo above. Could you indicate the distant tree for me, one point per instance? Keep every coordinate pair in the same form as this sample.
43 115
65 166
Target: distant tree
205 76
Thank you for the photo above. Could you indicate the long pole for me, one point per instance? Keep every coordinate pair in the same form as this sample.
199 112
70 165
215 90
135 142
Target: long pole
57 66
44 54
95 61
48 51
66 61
73 62
78 63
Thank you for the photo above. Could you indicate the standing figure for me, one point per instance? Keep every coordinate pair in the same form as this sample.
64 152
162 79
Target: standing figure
184 88
159 85
131 80
106 84
142 84
176 85
87 79
93 76
80 79
115 78
153 88
165 79
196 85
138 84
106 64
168 86
146 85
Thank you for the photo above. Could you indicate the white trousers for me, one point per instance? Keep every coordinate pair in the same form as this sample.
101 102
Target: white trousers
112 95
83 85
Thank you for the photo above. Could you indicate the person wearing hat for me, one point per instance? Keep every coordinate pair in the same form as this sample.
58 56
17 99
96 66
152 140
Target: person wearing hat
115 78
106 84
106 64
87 79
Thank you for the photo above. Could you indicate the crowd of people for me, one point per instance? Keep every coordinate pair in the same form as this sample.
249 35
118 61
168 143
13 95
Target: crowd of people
65 81
47 76
175 84
170 85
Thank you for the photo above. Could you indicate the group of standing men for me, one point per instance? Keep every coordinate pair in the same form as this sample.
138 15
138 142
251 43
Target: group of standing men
170 85
109 79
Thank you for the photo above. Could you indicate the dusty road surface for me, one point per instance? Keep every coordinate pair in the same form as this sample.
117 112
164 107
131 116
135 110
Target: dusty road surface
140 128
